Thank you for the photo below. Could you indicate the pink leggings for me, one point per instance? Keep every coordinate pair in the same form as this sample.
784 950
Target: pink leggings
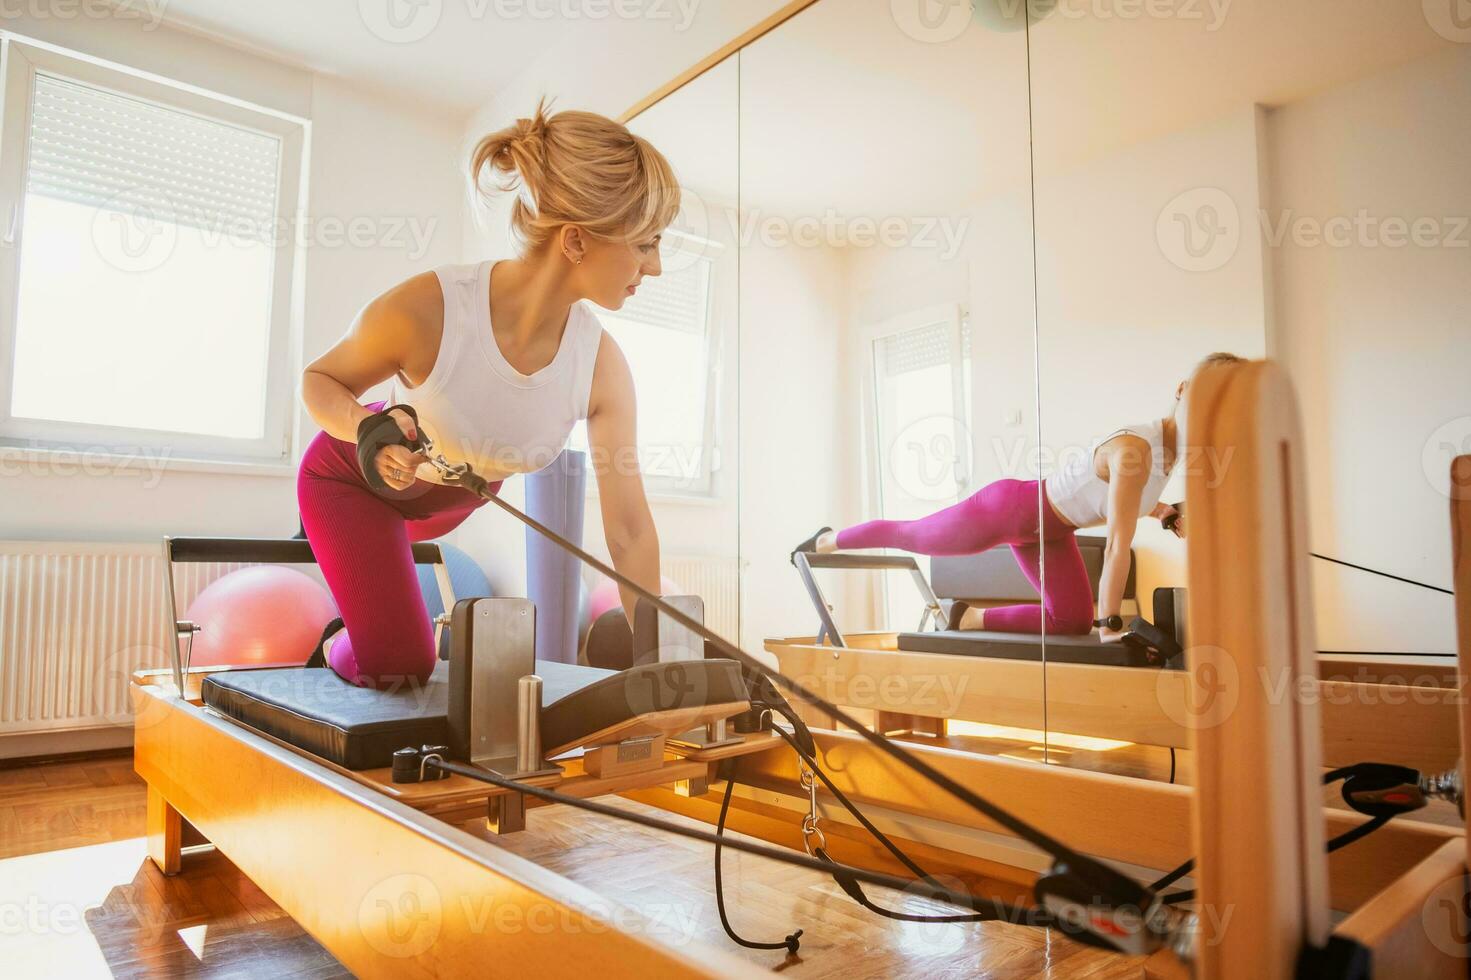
1004 512
361 540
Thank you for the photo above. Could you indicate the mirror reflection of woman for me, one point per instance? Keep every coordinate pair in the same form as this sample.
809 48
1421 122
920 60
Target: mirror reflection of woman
1114 485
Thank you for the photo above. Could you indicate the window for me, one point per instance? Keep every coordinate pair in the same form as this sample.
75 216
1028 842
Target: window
665 332
148 283
920 393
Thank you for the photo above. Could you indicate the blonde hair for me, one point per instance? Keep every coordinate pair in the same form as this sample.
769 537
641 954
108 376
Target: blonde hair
1218 357
577 168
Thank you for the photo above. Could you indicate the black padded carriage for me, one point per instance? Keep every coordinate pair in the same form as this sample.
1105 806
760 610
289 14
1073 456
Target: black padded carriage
1025 646
360 728
993 576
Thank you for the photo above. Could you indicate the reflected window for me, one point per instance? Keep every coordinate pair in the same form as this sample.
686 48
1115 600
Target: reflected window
666 334
920 366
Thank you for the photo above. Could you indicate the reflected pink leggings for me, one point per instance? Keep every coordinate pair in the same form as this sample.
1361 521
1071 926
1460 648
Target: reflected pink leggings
361 540
1004 512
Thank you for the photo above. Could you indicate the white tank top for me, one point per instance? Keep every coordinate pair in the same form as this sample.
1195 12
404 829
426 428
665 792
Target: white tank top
1079 495
477 407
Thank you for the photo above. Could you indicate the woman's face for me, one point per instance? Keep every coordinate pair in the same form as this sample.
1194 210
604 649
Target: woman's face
612 270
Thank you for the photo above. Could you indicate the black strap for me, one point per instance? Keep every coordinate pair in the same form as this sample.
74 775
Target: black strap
376 432
793 942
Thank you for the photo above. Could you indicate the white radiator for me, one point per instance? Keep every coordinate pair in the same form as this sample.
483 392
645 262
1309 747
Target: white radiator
75 621
714 578
717 580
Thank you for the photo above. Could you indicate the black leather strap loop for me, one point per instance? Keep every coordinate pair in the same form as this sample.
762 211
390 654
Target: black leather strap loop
376 432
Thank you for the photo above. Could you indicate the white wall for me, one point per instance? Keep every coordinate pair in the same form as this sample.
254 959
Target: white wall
367 159
1120 321
1378 340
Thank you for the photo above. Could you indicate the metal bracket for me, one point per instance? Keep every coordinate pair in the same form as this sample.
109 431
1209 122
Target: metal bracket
495 695
827 629
673 643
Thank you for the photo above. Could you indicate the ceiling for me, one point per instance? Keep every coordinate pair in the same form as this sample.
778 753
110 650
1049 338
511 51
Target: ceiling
840 108
450 56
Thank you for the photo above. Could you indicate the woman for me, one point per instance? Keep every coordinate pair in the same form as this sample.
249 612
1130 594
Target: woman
1119 480
497 361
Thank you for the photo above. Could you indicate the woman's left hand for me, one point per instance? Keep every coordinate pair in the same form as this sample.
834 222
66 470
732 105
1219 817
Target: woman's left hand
1106 635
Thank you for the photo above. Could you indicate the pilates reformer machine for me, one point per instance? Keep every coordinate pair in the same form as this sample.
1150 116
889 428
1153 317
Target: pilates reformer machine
919 681
347 806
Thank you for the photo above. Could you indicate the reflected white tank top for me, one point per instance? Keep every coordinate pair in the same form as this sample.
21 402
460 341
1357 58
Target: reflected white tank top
477 407
1081 497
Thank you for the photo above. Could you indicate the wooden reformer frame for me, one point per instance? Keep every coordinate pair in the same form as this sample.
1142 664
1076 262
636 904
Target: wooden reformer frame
415 906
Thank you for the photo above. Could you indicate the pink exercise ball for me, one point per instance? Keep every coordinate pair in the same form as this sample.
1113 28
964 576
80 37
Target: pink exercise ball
264 614
604 596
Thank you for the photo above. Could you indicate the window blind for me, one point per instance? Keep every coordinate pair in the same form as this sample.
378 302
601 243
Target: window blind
920 348
105 150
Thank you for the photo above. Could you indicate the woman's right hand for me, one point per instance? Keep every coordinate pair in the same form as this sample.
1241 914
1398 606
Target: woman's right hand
396 464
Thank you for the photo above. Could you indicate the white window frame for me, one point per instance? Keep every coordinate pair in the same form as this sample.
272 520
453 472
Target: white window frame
703 489
954 317
19 63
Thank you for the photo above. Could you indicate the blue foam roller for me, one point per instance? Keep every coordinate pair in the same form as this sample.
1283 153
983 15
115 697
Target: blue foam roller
555 497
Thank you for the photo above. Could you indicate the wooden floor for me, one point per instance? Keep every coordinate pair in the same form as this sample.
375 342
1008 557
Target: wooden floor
78 897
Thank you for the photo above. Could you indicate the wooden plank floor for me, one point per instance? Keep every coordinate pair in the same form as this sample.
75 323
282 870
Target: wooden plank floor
80 898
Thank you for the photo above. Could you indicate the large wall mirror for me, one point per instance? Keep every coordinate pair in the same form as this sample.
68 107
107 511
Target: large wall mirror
887 334
1280 180
681 337
950 247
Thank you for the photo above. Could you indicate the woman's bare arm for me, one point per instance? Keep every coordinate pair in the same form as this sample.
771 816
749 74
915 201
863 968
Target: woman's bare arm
387 335
395 332
612 435
1127 459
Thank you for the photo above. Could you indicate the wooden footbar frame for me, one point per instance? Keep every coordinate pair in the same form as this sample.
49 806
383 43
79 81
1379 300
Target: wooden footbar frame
422 904
1414 725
